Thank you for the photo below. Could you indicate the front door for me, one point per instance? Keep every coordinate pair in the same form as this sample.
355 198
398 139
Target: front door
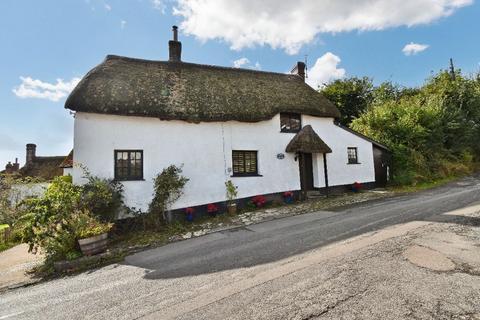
306 171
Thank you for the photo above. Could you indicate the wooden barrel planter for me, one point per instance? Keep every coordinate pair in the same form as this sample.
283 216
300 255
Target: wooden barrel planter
94 245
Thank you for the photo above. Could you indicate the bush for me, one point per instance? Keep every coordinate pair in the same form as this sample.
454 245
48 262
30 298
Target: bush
86 225
168 188
48 223
103 197
67 212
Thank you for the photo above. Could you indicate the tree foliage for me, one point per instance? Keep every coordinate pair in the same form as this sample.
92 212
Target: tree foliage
351 96
432 131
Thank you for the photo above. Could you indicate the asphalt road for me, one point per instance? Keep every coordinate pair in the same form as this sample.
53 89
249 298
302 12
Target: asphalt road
275 240
156 279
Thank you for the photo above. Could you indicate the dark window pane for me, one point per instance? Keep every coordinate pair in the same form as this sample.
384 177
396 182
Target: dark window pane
128 165
352 155
244 162
290 122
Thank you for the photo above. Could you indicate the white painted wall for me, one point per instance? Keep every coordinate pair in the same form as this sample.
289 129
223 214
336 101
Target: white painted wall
338 139
68 171
205 151
22 191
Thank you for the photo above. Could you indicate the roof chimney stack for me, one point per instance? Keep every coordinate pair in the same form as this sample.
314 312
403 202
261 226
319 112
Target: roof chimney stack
299 70
31 153
175 47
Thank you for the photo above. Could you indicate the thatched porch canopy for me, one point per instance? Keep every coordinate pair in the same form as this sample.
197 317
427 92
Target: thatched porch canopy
307 141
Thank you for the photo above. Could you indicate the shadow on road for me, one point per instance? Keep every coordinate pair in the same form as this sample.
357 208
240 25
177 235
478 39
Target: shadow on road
283 238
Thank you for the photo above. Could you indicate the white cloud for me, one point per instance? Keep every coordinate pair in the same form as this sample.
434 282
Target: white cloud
240 62
123 24
325 70
414 48
159 5
33 88
245 63
290 24
108 7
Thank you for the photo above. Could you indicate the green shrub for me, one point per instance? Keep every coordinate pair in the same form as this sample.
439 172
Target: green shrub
102 197
168 188
47 225
232 191
55 221
86 225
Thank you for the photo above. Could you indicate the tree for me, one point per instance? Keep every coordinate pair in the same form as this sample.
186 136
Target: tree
352 97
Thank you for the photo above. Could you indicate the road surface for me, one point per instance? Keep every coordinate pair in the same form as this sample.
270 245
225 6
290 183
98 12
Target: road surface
191 279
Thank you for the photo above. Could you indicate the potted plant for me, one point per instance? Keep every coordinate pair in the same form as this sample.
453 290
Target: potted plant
231 196
189 212
212 209
92 234
259 201
357 186
288 196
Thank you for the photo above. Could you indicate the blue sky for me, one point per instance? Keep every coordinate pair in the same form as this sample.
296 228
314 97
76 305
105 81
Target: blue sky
43 41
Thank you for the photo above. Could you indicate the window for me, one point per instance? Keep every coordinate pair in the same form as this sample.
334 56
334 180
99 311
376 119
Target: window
128 165
352 155
244 163
290 122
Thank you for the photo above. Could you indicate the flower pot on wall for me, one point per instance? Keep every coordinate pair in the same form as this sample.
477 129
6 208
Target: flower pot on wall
94 245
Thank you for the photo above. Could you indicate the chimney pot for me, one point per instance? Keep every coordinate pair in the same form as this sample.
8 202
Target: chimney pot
175 47
31 153
299 70
175 33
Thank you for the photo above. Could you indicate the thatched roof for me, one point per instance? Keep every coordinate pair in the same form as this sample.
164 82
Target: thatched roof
43 167
193 92
307 141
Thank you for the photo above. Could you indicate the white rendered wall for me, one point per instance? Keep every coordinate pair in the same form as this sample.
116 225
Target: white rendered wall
205 151
68 171
338 139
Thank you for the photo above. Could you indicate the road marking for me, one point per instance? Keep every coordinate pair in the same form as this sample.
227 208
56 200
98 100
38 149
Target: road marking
11 315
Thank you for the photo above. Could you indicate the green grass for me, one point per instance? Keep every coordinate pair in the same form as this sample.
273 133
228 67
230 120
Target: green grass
3 226
423 185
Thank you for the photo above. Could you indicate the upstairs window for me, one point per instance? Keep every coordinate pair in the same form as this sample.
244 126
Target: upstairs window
352 155
244 163
128 165
290 122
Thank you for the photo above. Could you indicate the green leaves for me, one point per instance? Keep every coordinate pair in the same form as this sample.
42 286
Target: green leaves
429 129
168 188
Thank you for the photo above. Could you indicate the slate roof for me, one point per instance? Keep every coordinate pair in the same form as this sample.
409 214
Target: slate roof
308 141
192 92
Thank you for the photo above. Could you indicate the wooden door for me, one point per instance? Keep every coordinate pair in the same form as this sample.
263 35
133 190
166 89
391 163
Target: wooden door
306 171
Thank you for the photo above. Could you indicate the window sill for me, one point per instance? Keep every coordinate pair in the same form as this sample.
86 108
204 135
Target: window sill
122 180
245 175
353 163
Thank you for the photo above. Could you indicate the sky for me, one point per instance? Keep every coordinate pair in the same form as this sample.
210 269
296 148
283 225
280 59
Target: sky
47 46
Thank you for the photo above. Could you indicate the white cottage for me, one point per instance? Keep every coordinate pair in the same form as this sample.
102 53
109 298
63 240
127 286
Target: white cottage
267 132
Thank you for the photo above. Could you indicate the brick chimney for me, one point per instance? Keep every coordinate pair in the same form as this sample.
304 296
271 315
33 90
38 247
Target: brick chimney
16 165
175 47
299 70
31 153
